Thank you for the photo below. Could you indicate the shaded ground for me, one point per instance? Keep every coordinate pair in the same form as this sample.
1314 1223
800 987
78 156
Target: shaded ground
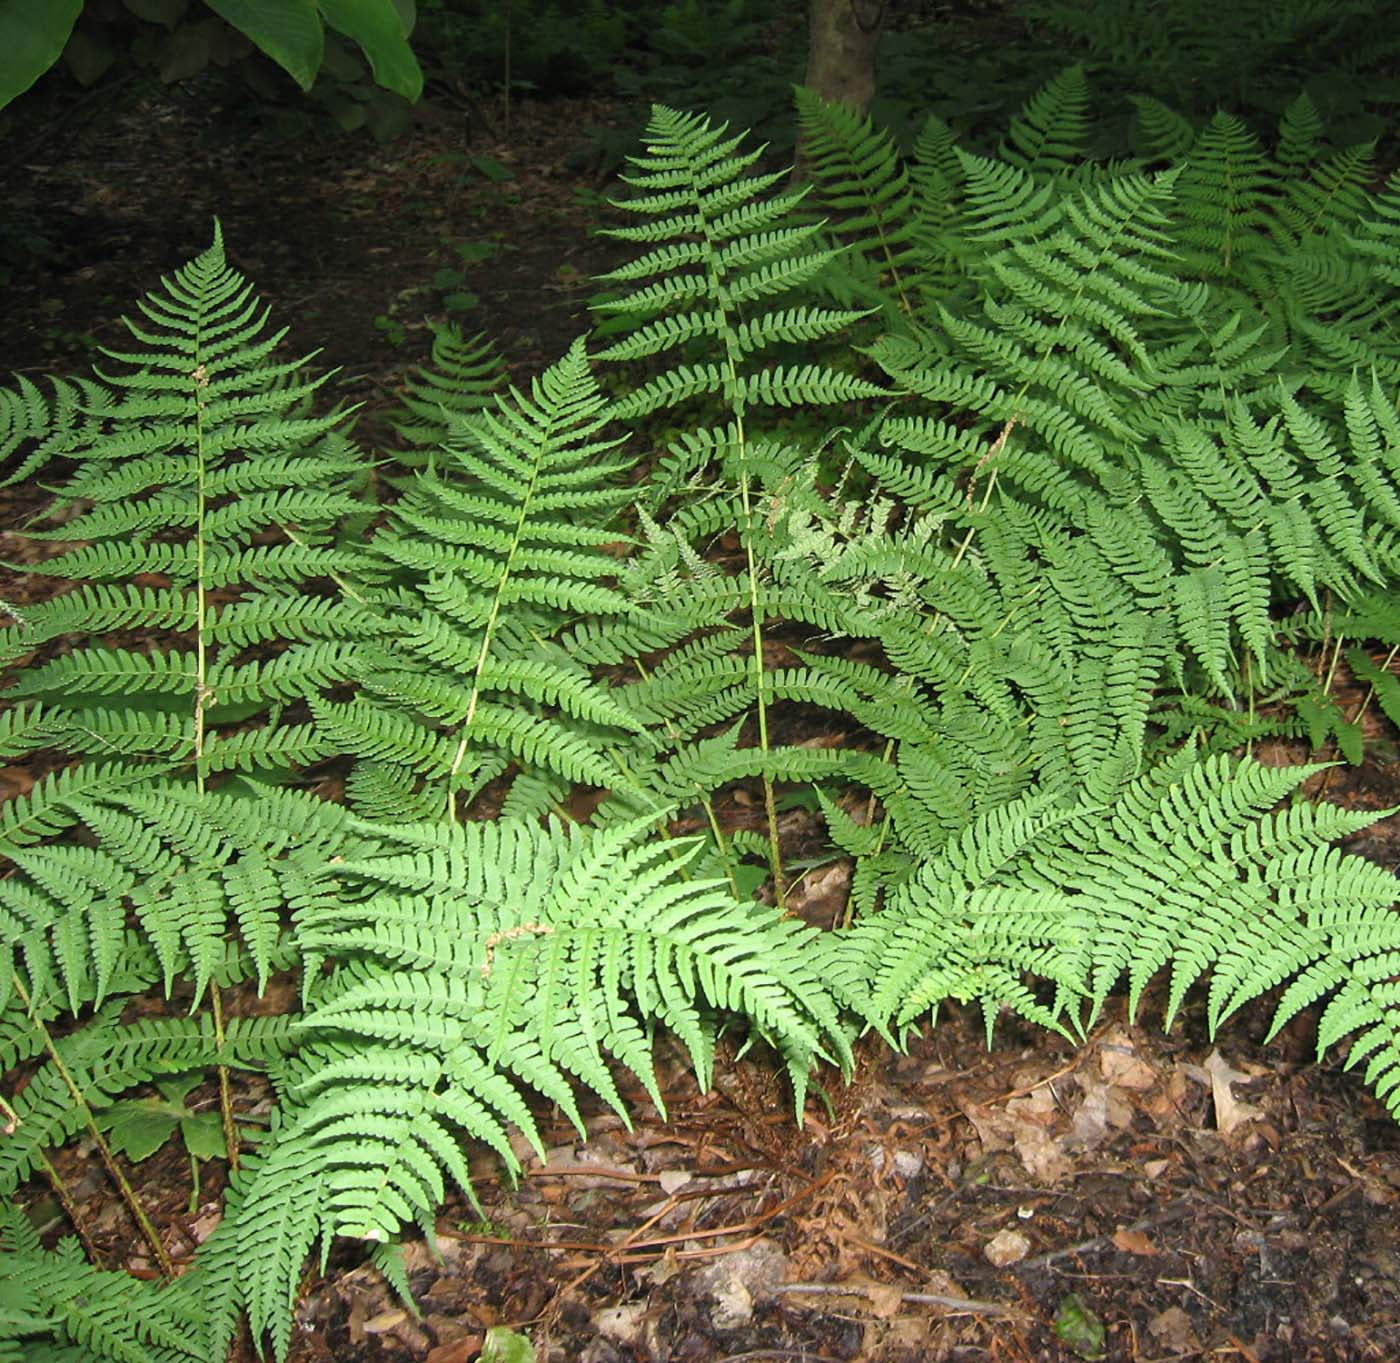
1226 1201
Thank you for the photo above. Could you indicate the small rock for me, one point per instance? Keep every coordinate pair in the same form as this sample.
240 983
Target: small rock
734 1281
1173 1329
1006 1247
621 1323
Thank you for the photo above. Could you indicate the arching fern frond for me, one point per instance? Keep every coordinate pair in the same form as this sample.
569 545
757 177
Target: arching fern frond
475 962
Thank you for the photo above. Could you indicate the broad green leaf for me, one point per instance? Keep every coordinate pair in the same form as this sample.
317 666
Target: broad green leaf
1078 1328
378 28
204 1135
187 52
88 56
32 38
506 1346
289 31
137 1128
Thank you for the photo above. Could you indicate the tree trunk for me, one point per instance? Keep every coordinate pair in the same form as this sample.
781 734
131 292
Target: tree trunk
842 38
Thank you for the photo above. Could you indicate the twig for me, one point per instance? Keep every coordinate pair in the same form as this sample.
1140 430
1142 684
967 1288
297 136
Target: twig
968 1306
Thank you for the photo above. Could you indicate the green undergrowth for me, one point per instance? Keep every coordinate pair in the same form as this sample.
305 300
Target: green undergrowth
1044 480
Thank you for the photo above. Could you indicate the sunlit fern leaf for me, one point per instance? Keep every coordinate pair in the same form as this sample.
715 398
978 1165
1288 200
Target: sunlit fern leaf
507 539
50 806
718 239
101 1316
186 868
194 458
476 962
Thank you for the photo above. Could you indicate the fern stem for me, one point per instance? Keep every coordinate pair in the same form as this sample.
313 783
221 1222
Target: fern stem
1371 690
225 1095
202 696
464 742
62 1192
770 807
148 1231
721 842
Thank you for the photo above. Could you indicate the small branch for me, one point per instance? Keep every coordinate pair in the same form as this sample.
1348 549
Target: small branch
966 1306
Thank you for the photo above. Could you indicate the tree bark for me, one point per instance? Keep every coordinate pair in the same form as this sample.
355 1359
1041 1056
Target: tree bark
842 38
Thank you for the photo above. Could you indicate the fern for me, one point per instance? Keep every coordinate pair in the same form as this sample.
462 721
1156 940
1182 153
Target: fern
183 457
1075 535
471 962
458 381
500 550
99 1315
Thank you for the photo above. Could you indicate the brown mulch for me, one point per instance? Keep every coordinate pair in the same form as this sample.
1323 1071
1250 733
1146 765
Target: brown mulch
1202 1200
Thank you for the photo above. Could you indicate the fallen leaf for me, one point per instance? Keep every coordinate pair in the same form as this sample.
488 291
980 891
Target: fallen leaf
672 1180
385 1321
459 1351
1174 1330
1089 1125
1121 1067
1230 1112
1134 1242
885 1299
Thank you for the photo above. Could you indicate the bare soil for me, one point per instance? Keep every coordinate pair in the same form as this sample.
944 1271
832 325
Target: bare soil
1197 1198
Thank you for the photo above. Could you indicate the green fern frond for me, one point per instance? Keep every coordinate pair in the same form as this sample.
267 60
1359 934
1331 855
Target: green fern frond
1049 134
98 1315
460 378
861 181
1166 135
1222 200
507 539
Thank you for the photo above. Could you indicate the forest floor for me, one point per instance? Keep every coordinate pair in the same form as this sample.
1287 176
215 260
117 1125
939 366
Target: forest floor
1193 1199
